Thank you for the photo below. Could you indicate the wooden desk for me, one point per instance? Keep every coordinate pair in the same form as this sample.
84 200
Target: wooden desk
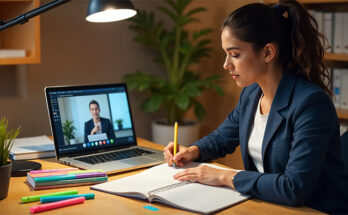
111 204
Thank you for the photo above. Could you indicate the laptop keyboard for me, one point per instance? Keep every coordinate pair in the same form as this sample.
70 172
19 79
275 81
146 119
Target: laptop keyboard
113 156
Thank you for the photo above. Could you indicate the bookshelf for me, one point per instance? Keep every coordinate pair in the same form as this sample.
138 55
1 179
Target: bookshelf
25 36
331 59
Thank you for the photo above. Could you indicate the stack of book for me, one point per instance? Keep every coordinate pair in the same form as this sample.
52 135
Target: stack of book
68 177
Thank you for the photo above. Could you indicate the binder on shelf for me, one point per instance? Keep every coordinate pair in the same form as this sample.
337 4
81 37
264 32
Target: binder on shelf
327 23
318 16
338 29
344 90
336 84
345 33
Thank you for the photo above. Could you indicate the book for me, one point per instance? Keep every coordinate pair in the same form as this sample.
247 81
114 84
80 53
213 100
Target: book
345 32
40 180
344 90
32 148
327 29
336 84
157 185
9 53
338 27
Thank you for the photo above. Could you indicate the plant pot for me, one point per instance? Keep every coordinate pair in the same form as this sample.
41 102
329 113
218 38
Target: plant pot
120 126
188 132
5 174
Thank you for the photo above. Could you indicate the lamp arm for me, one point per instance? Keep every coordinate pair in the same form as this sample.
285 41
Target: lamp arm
21 19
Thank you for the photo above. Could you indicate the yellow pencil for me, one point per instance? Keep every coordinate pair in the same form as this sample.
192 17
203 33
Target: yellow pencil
175 140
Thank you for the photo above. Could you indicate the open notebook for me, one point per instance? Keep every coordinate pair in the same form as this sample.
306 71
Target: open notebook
157 184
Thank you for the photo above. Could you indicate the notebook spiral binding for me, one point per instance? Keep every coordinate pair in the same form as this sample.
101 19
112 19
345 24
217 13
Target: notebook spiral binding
170 187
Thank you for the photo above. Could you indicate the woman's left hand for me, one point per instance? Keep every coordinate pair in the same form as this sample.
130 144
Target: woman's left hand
207 175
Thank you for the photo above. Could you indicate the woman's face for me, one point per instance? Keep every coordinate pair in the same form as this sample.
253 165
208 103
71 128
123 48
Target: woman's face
244 64
94 109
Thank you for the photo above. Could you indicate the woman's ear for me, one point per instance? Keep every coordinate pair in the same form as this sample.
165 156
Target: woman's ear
269 52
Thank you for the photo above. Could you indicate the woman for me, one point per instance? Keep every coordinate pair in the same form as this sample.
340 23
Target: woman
284 122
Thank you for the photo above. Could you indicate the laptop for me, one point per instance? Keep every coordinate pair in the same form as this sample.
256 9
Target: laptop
85 123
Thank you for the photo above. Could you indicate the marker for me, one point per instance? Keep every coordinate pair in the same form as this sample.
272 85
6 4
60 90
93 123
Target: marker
37 197
60 198
69 176
54 205
53 170
175 140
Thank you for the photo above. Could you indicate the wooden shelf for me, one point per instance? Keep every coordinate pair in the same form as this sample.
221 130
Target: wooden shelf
26 36
336 57
342 114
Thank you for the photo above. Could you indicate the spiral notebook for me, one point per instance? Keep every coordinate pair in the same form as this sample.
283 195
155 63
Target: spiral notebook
157 185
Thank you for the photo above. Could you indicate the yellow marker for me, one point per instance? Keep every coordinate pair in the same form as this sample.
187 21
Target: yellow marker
175 140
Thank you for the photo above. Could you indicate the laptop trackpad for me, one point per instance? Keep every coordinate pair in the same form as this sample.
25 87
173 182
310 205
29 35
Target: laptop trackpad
137 161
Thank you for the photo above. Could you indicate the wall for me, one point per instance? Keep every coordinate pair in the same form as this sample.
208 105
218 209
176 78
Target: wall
75 51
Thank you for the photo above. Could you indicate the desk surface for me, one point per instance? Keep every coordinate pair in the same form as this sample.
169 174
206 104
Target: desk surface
111 204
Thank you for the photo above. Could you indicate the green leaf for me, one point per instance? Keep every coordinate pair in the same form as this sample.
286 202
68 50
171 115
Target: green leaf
192 90
143 86
218 90
213 78
199 110
181 5
183 20
182 101
203 43
6 140
196 10
167 12
152 104
198 34
171 3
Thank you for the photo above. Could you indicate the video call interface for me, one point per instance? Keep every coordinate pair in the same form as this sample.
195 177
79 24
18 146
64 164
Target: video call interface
91 119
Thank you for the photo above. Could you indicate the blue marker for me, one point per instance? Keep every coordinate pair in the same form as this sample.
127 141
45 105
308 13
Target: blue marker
59 198
151 208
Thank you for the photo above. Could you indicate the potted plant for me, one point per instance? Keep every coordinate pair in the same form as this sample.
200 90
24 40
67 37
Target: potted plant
119 123
69 131
6 142
177 49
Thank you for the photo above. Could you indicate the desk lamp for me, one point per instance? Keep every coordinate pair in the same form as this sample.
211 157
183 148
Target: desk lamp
98 11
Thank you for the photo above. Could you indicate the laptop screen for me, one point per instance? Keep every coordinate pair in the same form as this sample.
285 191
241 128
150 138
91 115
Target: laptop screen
90 118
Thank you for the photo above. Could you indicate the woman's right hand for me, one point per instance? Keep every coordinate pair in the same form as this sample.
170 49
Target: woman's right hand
183 155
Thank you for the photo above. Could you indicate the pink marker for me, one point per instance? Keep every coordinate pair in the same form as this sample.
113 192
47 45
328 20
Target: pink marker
53 170
54 205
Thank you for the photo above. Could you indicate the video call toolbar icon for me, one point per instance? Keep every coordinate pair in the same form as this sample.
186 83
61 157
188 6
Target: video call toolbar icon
98 143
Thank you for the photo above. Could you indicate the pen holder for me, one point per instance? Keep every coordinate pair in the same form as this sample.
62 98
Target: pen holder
5 174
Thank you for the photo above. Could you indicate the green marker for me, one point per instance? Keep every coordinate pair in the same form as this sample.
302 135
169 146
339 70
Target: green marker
27 199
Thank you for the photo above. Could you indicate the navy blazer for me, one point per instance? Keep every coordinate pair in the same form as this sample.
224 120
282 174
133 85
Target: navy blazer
106 128
300 149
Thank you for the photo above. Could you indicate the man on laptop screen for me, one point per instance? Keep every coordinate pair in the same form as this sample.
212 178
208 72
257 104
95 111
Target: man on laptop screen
83 121
97 127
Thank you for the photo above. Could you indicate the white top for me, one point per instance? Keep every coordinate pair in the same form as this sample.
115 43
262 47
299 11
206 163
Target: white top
256 138
100 130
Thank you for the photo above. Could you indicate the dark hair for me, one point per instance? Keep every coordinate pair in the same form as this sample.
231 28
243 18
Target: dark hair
93 102
292 29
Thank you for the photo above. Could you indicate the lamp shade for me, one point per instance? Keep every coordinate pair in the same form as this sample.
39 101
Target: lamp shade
109 10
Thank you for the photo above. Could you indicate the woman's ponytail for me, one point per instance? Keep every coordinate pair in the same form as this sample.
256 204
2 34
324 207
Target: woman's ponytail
307 45
292 29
